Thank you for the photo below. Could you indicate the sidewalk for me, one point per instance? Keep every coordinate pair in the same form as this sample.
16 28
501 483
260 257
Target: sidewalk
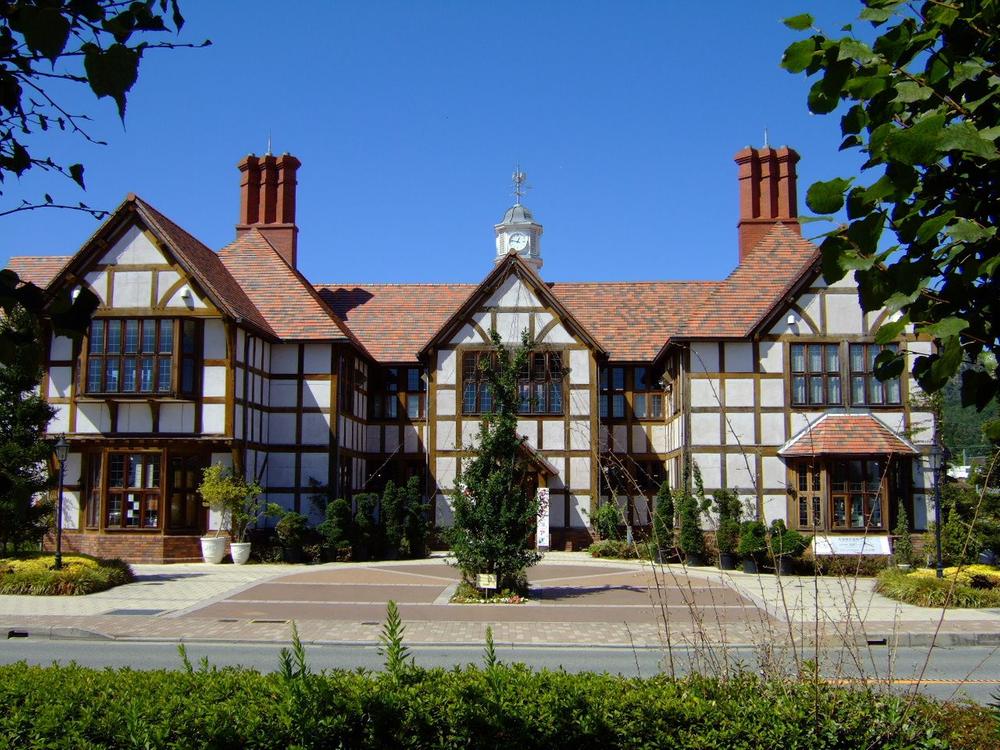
575 600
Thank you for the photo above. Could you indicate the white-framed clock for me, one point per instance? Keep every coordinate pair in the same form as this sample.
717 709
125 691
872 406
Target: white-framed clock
517 241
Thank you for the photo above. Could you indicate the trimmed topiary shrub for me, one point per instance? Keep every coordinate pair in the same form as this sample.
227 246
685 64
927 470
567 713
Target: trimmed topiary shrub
606 521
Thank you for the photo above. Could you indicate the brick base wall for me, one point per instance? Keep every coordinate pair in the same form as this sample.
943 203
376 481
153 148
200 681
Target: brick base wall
133 548
570 540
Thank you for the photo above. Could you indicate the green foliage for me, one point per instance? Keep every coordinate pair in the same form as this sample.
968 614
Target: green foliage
404 519
663 518
962 426
785 542
922 106
495 510
393 649
366 532
335 529
607 520
729 508
237 500
753 539
37 576
925 589
46 48
690 506
902 544
292 530
619 548
25 514
502 706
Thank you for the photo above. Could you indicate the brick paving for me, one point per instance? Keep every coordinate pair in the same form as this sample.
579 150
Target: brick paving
574 600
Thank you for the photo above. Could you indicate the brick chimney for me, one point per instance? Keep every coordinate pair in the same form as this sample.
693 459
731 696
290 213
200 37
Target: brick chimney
767 193
267 201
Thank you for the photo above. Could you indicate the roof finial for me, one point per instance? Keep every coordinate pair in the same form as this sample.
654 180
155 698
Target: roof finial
765 137
268 143
518 178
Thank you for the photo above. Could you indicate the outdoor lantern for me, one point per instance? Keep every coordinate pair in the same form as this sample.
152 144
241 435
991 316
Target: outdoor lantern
62 453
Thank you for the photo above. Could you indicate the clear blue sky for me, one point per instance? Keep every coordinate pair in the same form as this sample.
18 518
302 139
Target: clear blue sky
408 118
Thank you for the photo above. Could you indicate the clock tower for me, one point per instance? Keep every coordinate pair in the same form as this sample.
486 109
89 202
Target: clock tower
518 231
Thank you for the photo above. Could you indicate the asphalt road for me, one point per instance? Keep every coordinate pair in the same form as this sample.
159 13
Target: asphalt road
952 673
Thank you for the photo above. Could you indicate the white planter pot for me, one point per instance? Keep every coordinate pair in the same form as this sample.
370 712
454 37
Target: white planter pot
240 552
213 549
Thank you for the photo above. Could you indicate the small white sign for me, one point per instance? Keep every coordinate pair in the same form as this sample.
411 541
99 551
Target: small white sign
851 545
486 580
542 529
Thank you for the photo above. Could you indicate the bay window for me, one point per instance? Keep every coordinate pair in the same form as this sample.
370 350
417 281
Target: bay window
853 494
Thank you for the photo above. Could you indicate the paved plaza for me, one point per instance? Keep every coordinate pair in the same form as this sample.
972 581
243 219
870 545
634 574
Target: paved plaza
573 600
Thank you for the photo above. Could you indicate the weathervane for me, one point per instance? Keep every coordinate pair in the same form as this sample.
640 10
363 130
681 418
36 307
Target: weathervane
519 178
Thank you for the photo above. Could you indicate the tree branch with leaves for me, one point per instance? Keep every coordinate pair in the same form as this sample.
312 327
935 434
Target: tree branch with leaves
45 44
921 102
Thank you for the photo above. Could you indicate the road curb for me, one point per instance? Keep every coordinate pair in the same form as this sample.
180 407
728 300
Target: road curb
53 633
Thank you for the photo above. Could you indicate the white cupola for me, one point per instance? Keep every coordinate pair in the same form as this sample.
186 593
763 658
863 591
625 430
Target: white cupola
518 231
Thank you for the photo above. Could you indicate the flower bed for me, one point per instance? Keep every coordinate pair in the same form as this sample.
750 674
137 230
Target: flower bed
80 575
466 593
969 587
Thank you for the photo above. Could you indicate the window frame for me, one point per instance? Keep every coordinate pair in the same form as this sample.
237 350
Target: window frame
836 497
829 379
871 384
646 388
149 498
541 383
181 359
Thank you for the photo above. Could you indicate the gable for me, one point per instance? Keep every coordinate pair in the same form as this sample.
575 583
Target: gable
823 309
512 299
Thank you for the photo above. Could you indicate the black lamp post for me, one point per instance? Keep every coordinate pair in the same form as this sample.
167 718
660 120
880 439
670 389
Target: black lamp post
62 453
938 459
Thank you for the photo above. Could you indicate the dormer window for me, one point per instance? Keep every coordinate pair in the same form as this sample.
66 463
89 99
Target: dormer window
141 356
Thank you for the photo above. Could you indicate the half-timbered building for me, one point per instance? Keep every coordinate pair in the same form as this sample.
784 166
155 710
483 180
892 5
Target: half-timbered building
764 380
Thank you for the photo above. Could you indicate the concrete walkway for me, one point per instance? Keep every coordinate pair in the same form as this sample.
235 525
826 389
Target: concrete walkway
575 600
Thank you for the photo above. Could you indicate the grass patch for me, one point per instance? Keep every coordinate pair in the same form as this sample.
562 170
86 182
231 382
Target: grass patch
36 575
975 586
466 593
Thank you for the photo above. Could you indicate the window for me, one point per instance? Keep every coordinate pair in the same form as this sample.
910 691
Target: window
810 497
858 492
647 400
385 405
133 491
93 515
613 392
539 383
866 389
816 374
346 385
415 393
138 356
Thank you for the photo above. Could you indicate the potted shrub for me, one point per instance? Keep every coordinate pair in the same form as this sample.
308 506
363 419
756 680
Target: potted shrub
291 531
786 545
690 506
606 520
752 546
727 535
239 506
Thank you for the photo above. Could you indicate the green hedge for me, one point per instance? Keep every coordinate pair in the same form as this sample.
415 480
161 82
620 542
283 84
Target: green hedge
502 706
80 574
924 589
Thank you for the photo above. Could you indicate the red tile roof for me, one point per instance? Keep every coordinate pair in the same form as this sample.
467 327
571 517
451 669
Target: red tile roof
394 320
633 320
37 269
766 275
291 307
846 434
206 267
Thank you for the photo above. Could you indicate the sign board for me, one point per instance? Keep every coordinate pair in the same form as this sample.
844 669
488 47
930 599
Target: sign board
486 580
542 529
851 545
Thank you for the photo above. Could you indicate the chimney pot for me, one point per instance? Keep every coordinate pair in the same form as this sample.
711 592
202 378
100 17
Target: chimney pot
768 195
267 201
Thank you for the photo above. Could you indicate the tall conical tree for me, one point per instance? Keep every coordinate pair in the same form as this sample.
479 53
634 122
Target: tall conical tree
495 511
24 451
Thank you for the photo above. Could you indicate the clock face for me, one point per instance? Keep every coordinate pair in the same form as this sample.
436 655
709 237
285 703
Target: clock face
517 241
